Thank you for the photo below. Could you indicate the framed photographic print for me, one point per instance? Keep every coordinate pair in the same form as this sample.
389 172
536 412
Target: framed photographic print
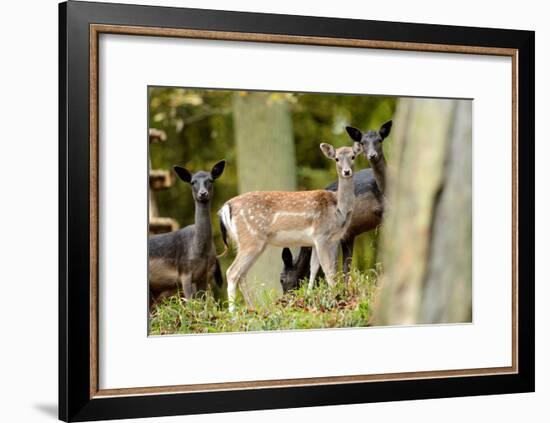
267 211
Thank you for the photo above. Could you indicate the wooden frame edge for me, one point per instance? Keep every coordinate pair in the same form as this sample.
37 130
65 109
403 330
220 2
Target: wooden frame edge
283 383
515 217
295 39
94 211
97 29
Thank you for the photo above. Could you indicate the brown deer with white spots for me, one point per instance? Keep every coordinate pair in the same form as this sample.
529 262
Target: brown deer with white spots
316 219
369 185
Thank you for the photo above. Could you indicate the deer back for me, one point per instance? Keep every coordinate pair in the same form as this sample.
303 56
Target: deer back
282 218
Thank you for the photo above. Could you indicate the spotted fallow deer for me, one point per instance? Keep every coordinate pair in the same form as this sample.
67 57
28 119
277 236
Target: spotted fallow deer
367 214
305 218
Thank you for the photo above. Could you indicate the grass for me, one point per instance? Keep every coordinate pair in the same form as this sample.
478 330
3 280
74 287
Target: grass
343 305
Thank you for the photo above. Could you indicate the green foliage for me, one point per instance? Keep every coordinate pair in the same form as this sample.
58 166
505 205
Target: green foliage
199 128
344 305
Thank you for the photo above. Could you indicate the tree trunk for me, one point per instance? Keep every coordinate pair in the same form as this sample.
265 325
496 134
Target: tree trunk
426 245
265 161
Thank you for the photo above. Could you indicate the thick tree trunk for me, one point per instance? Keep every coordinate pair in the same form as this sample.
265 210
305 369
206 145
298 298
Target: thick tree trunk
266 161
426 245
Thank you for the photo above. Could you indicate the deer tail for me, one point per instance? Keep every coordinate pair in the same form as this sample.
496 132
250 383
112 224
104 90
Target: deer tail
225 221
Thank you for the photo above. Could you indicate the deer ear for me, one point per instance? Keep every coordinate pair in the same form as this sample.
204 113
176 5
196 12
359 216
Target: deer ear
304 256
354 133
328 150
287 257
217 169
385 129
183 173
357 148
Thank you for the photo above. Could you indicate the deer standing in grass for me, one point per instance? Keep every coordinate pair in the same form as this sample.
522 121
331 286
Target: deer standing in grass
369 185
305 218
186 259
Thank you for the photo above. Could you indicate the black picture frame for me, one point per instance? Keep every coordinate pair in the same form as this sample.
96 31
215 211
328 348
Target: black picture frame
76 403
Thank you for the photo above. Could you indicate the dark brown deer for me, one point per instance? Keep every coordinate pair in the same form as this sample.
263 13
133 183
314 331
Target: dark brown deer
186 259
369 185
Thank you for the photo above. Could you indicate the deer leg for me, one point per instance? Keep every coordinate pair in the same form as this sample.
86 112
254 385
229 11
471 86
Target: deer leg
347 256
328 256
218 278
238 270
313 268
186 281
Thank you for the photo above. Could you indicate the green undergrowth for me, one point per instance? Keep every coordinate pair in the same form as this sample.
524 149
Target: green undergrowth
343 305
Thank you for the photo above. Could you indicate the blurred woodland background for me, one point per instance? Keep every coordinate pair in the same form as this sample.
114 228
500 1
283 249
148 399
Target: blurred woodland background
271 142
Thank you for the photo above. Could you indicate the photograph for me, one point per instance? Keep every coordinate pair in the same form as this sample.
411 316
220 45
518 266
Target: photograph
300 211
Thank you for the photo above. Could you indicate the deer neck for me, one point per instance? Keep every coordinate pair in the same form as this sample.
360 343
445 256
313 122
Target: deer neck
345 196
203 227
379 171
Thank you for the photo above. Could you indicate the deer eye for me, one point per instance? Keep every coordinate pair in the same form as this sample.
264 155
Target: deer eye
352 157
337 159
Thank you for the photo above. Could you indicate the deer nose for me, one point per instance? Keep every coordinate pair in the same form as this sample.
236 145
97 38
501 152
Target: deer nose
347 172
203 195
372 156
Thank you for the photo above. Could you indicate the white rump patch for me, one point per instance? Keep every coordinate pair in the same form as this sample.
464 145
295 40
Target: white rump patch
225 215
